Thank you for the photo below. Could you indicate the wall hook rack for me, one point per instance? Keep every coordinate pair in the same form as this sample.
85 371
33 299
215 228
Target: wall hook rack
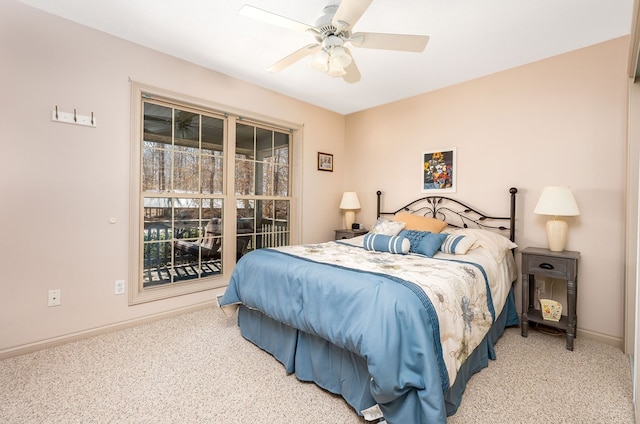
73 118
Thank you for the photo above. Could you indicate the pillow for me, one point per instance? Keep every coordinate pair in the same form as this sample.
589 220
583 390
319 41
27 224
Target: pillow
430 244
386 227
457 244
384 243
423 242
496 243
420 223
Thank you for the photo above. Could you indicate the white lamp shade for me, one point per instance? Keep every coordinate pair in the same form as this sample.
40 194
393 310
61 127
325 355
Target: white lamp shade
557 201
350 200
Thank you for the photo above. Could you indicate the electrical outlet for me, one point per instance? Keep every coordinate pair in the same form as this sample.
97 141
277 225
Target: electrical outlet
119 287
54 297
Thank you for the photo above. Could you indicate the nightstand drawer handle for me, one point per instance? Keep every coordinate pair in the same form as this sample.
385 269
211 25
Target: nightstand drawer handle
545 265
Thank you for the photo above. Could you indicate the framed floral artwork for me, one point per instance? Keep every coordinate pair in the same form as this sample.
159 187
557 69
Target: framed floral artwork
439 171
325 162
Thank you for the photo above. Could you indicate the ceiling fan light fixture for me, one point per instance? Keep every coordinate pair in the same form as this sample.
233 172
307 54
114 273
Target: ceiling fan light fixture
320 61
340 54
335 67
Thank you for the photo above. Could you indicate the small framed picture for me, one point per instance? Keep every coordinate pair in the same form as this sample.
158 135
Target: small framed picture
325 162
439 171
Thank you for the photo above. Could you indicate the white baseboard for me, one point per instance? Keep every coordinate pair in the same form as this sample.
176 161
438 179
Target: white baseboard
602 338
56 341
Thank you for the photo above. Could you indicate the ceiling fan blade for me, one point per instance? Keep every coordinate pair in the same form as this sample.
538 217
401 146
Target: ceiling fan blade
349 12
403 42
272 18
352 72
294 57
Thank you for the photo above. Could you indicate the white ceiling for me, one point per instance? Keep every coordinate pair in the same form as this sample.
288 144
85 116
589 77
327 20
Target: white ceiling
469 39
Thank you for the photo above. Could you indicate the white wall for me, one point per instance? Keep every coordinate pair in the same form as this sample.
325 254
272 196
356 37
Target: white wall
565 114
560 121
60 184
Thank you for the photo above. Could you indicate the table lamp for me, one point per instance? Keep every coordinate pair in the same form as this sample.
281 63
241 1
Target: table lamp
349 203
557 201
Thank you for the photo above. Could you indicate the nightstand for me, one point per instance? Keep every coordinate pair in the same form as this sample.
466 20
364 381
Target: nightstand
559 265
347 234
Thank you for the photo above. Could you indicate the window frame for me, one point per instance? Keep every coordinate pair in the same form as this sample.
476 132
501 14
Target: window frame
141 92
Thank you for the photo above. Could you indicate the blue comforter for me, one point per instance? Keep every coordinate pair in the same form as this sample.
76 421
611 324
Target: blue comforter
388 321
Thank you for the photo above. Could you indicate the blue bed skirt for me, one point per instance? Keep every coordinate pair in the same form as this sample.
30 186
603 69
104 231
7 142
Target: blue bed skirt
342 372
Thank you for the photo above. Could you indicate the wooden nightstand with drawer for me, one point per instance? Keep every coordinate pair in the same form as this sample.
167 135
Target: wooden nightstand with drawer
558 265
347 234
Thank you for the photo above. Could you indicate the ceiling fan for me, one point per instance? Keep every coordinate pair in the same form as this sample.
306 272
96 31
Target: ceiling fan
333 34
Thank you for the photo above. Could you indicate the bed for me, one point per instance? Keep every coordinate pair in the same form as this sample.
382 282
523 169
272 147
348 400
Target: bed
387 321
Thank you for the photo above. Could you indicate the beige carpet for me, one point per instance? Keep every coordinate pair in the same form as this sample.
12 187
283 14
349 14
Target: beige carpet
196 368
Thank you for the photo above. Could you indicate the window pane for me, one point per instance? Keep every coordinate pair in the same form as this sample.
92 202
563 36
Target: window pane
245 141
244 181
186 214
157 124
264 143
245 226
281 147
157 260
264 176
157 216
158 237
156 169
156 148
187 129
281 181
212 208
282 213
245 208
186 173
212 160
212 174
212 135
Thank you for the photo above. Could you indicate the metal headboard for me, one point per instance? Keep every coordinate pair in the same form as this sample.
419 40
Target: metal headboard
458 214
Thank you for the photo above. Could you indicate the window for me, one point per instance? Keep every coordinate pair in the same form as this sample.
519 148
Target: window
196 208
182 179
262 187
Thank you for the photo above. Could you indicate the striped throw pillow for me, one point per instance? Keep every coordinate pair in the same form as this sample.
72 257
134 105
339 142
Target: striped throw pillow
384 243
457 244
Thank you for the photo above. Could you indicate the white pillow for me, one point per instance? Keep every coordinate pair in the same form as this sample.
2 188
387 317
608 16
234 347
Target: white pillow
387 228
496 243
457 244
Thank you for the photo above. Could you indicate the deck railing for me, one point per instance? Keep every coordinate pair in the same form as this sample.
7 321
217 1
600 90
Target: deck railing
274 235
158 237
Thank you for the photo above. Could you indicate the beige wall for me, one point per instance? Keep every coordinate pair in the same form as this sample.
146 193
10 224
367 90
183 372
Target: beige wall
560 121
60 184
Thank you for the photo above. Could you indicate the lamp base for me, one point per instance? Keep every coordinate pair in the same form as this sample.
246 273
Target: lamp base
557 231
349 219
